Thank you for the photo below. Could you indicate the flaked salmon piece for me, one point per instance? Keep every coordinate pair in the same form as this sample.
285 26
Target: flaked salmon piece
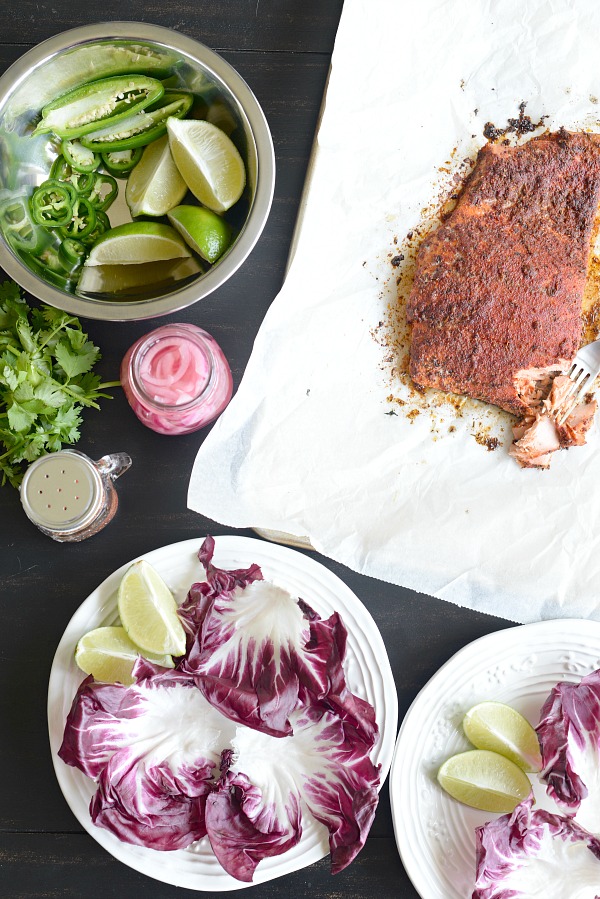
573 431
539 441
538 436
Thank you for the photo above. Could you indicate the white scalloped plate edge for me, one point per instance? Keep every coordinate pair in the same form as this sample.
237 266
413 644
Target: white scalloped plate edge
517 665
367 667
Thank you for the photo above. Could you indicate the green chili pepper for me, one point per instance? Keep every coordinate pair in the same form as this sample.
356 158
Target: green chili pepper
98 102
102 225
139 129
71 254
103 192
17 225
82 220
120 162
79 157
81 182
48 269
52 203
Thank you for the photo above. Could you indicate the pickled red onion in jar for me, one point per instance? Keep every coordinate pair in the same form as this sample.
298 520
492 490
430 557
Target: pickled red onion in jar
176 379
174 370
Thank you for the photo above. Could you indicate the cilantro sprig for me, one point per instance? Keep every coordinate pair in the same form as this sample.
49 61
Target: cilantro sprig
46 379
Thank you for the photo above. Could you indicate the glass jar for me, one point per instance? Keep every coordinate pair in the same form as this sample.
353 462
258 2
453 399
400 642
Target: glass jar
176 379
70 497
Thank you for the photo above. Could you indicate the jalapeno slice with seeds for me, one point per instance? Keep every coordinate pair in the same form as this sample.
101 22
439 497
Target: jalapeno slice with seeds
103 192
82 220
120 162
98 102
102 225
82 182
139 129
52 203
79 157
71 254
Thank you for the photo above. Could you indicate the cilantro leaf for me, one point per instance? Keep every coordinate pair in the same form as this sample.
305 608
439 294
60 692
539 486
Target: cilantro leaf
46 378
78 359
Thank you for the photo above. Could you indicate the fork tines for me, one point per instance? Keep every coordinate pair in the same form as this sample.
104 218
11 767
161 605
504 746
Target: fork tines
581 378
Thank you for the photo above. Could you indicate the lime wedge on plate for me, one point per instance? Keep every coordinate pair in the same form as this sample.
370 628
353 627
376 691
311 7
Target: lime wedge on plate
202 229
484 780
209 162
154 185
149 612
132 279
109 655
500 728
137 243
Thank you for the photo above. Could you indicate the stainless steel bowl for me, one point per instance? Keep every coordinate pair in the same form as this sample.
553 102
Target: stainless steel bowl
81 54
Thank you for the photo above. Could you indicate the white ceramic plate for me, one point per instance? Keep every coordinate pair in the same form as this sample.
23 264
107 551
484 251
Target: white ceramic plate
367 669
518 666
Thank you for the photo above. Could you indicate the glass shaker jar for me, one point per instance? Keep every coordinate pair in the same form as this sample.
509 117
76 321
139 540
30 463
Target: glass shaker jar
70 497
176 379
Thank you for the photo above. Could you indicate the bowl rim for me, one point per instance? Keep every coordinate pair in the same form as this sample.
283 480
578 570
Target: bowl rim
249 107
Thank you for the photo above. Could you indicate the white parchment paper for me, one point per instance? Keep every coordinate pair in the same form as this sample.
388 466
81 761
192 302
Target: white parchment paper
325 438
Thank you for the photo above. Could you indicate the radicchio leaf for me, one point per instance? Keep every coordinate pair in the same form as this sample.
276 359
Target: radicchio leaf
535 853
325 766
153 748
569 735
257 652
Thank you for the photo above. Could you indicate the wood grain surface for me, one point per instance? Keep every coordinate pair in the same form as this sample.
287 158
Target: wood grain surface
283 49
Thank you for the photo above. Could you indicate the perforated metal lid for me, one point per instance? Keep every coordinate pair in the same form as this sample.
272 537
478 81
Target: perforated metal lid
62 491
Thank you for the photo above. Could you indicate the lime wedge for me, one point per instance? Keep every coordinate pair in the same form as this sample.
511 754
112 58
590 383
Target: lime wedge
133 279
209 162
137 243
155 185
499 728
484 780
109 655
202 229
149 612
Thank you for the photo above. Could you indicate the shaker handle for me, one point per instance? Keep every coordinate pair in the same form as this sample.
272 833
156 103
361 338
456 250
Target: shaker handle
114 465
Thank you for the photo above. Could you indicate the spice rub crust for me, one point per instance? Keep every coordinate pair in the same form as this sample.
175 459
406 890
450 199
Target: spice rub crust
499 285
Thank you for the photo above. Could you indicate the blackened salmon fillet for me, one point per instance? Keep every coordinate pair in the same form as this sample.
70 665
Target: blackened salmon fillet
499 285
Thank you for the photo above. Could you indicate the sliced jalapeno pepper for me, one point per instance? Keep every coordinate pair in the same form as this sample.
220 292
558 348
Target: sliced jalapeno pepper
79 157
97 102
71 254
139 129
49 269
102 225
17 225
103 192
82 182
120 162
52 203
82 220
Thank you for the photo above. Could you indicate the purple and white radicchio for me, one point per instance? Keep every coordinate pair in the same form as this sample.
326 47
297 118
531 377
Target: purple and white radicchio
535 853
257 653
569 735
255 728
266 781
153 748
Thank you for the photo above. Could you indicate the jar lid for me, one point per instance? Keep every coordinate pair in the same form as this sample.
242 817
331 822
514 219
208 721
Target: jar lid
62 491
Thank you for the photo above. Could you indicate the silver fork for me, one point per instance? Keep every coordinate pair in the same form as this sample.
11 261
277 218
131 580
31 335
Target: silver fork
583 372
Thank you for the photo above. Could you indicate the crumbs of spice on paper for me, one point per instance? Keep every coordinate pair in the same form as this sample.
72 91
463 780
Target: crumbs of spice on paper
519 126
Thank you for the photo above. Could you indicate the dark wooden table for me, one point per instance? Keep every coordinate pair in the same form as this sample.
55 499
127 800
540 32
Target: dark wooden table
283 49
